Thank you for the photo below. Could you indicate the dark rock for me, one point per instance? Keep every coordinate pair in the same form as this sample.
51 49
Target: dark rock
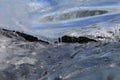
30 37
16 34
7 33
69 39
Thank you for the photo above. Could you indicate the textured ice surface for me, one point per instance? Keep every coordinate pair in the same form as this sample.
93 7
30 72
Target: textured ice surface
24 60
50 19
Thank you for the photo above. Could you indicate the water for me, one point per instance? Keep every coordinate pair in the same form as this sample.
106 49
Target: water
50 19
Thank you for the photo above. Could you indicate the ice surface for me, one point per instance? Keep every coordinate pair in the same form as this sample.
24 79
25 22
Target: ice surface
24 60
50 19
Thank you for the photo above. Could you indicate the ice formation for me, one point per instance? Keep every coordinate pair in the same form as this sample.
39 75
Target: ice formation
27 25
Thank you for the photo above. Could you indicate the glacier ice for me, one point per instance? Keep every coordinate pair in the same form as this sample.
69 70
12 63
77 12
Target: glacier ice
48 20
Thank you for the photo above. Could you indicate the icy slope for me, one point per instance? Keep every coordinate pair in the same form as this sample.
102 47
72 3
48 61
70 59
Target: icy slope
24 60
50 20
